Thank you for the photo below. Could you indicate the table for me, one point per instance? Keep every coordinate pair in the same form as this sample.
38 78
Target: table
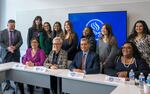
90 84
27 76
3 68
94 84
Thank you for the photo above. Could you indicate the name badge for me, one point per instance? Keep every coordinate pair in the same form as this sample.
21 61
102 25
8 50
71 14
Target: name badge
75 75
39 69
115 79
18 66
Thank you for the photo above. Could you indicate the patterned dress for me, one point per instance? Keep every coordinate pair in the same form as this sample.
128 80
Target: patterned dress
143 46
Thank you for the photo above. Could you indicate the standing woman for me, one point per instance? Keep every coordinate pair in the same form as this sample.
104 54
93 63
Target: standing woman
57 30
107 45
45 38
35 30
88 34
70 40
140 36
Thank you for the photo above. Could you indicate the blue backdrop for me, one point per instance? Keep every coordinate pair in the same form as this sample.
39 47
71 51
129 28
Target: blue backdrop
118 20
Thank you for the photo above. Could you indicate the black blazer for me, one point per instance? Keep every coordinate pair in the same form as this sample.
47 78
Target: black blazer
92 63
31 34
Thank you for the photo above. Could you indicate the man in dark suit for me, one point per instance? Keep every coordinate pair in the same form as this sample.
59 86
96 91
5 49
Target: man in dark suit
11 41
85 61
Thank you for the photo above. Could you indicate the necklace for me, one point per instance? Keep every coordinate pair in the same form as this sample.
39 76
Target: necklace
130 62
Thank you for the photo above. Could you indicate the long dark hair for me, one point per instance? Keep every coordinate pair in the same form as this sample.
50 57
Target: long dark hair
91 31
58 24
34 24
110 33
145 29
109 29
136 52
44 32
72 33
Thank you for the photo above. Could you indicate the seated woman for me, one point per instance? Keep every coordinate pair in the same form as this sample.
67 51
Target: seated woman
34 57
128 58
57 59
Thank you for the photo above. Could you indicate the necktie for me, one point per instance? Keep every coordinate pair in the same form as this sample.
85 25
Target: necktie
83 61
11 38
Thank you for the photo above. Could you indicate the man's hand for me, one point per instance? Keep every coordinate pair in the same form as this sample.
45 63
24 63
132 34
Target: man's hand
10 49
78 70
54 66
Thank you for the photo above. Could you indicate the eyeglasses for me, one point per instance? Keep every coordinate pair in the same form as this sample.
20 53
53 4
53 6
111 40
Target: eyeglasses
128 47
56 43
34 42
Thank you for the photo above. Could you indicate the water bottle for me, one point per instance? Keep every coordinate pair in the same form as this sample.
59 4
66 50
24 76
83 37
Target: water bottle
148 79
131 75
141 80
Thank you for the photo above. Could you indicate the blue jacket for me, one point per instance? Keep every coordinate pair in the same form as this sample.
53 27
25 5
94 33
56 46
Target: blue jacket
92 63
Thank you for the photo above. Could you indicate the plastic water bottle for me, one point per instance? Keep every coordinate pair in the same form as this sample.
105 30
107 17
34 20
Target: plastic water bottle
131 75
141 80
148 79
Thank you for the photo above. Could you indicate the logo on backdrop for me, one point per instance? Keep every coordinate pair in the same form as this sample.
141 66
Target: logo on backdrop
96 25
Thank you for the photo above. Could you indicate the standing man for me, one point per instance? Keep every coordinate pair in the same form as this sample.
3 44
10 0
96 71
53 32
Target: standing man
11 41
85 61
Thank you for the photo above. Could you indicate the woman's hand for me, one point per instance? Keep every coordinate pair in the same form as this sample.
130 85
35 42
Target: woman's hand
29 63
122 74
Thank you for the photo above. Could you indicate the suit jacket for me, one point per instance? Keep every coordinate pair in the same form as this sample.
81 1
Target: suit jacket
92 63
61 60
17 42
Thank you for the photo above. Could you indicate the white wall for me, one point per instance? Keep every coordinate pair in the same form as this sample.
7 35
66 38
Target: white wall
24 11
2 14
11 7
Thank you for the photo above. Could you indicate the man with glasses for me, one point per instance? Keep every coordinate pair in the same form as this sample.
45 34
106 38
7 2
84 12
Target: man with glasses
57 59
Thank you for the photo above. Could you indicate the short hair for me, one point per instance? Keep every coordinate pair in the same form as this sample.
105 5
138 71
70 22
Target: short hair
11 21
34 38
85 39
59 39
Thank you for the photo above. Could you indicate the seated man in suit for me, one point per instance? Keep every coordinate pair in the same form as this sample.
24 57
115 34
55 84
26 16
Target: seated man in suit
57 59
85 61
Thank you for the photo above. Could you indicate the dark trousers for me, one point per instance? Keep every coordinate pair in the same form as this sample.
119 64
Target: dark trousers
53 86
21 88
31 89
14 57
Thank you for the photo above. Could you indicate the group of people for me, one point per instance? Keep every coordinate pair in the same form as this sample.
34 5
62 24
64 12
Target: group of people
53 49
